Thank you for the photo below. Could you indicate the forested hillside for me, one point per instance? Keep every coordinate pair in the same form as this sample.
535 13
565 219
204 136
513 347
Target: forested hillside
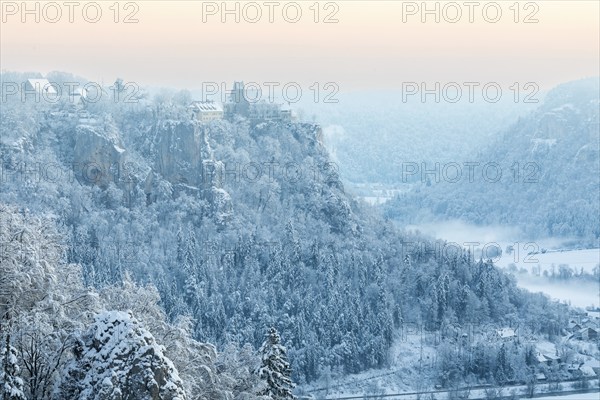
239 227
541 175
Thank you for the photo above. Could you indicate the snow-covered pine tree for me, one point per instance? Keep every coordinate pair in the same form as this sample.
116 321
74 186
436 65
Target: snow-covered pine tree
275 369
119 359
504 371
11 385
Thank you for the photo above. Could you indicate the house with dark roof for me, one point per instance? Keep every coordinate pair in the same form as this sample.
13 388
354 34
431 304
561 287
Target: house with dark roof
587 333
573 326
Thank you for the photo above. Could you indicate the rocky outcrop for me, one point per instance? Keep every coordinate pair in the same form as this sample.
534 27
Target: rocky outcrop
184 162
180 149
99 156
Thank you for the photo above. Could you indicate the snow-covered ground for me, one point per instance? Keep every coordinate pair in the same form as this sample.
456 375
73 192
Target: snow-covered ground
583 396
405 371
375 200
579 293
474 394
585 259
407 374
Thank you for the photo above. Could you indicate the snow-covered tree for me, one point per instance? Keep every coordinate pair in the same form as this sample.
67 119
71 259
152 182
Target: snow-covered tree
118 359
238 370
275 368
504 370
11 384
29 252
40 307
194 360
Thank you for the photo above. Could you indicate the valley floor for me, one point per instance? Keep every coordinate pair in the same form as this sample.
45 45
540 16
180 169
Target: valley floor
579 396
542 390
414 367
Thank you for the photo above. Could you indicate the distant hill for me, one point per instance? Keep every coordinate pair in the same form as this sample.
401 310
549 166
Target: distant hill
549 161
370 134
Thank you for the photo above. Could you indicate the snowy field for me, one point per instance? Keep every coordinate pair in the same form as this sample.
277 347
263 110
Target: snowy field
375 200
585 259
578 294
585 396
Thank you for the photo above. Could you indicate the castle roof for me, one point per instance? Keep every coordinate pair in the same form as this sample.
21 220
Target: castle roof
206 106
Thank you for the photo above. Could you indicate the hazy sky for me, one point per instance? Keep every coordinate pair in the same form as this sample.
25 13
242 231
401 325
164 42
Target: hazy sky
182 44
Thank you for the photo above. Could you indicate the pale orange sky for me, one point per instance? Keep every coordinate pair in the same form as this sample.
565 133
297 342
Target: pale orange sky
370 46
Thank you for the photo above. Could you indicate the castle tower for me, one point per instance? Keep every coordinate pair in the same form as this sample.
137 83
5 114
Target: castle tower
237 98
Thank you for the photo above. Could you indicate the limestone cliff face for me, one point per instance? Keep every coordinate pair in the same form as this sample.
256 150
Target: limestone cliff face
184 161
180 149
179 160
98 155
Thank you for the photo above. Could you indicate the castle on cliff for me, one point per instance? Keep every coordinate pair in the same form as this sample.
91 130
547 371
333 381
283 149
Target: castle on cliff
237 104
